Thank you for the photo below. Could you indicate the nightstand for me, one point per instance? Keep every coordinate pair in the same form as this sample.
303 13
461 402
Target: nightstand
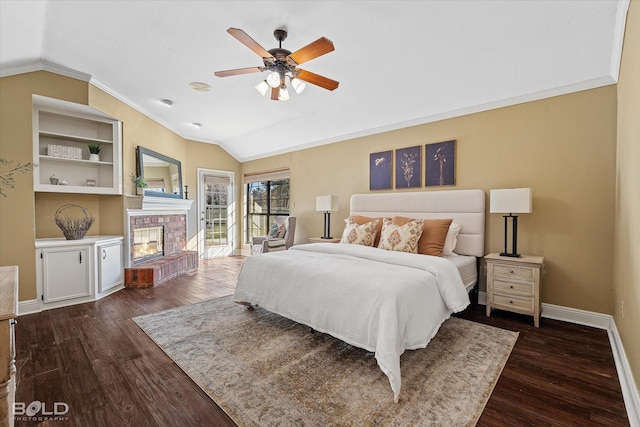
321 240
513 284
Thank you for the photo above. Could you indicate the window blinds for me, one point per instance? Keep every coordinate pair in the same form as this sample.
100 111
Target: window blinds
217 180
272 175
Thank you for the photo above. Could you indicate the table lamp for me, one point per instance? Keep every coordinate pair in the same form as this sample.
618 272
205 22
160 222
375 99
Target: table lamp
327 204
510 201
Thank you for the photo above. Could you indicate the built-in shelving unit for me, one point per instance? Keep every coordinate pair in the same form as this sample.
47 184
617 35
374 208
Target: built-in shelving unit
62 133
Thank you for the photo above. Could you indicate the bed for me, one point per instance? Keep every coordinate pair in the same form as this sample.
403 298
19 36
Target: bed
383 301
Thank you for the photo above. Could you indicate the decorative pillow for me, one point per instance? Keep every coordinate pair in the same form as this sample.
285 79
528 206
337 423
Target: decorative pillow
401 238
434 233
360 220
355 234
277 231
452 238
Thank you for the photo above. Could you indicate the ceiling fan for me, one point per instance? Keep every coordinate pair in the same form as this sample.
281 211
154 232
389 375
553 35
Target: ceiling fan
281 63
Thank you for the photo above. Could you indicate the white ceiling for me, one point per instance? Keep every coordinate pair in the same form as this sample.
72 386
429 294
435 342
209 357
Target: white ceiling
399 63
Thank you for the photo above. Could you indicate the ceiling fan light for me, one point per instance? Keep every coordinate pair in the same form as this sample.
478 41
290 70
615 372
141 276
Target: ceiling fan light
262 87
273 79
284 94
298 85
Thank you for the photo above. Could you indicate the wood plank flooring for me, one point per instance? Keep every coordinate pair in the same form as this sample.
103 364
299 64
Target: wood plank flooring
94 358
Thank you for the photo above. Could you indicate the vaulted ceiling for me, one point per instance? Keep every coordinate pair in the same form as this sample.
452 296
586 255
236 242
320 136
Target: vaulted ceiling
399 63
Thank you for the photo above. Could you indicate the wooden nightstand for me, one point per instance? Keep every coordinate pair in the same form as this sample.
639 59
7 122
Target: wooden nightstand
513 284
321 240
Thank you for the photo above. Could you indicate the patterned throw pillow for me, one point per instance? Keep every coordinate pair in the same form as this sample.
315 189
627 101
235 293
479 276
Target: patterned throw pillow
364 234
401 238
277 231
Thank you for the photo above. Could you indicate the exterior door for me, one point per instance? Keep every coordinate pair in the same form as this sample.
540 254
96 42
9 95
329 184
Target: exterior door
216 209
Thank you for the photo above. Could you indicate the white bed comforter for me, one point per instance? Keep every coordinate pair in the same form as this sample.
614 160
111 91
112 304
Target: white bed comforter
382 301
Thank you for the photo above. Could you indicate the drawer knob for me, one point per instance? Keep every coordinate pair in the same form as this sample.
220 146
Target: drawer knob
510 302
512 272
511 286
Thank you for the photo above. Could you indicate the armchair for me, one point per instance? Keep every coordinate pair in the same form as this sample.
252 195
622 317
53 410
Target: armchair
266 244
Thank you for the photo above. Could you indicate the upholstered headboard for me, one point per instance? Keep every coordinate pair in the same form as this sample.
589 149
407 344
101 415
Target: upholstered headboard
466 207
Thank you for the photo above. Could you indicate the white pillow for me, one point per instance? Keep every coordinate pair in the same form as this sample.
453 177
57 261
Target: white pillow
451 239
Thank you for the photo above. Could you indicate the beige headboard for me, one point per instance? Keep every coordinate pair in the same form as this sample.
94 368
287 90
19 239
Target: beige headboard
466 207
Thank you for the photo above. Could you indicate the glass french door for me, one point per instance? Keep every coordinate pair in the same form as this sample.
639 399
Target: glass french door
216 209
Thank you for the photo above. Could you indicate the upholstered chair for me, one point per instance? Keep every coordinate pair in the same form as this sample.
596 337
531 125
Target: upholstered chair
271 244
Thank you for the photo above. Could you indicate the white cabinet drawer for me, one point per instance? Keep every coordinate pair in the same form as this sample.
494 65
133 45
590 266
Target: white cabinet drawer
511 272
512 303
512 288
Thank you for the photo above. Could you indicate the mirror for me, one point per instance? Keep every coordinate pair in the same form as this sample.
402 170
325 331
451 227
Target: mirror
162 173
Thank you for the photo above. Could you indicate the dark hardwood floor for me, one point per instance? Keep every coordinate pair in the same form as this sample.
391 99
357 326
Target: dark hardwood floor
95 359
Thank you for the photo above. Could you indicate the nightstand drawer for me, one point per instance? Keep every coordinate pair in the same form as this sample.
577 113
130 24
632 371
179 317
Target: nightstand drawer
512 288
511 302
521 273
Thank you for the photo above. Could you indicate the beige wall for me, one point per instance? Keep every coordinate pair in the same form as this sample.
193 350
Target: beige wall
626 277
563 148
26 215
17 220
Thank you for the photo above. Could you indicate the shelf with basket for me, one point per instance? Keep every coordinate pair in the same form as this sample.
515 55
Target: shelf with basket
78 148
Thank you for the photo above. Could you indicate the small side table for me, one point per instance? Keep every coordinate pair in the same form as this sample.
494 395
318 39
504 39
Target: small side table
513 284
321 240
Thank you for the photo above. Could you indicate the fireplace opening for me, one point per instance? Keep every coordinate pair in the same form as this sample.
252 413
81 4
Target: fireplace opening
147 244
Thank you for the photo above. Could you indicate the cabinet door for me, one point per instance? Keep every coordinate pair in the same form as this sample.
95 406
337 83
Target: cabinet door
66 273
111 272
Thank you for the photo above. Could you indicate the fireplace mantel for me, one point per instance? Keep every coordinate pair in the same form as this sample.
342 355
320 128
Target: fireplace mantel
157 203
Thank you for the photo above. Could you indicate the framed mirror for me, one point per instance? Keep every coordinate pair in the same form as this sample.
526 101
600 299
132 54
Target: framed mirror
163 174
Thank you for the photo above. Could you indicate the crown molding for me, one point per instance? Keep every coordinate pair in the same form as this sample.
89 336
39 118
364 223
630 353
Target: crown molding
618 38
44 65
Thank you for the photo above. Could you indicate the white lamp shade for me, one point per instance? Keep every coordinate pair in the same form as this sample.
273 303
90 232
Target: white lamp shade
273 79
511 200
298 85
283 95
327 203
262 87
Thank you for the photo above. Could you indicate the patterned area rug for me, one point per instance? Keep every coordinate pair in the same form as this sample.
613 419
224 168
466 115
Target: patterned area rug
263 369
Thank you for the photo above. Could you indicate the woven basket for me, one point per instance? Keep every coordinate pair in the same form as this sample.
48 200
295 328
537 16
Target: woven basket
74 228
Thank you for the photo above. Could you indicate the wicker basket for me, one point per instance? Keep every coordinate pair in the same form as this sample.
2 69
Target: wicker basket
74 228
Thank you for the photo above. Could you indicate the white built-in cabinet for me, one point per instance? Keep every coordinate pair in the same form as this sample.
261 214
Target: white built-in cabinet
75 271
66 273
110 266
62 133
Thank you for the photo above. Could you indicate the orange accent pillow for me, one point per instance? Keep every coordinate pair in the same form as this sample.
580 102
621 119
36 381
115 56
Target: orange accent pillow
358 219
434 233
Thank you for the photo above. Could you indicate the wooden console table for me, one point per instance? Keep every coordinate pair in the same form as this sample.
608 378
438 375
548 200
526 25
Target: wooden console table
8 314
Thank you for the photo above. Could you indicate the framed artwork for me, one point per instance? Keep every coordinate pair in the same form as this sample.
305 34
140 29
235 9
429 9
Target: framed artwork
408 167
380 167
440 163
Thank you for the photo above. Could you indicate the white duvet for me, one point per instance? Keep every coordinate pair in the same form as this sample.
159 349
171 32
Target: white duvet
382 301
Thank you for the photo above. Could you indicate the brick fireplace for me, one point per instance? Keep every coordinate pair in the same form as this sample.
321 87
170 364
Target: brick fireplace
166 223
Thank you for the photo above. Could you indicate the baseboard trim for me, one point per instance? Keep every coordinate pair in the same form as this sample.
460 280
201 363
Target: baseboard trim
629 388
29 307
627 382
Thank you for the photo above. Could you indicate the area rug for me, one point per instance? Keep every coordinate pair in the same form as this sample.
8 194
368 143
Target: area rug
263 369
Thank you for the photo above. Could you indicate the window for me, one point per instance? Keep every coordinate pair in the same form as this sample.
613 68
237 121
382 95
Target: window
216 214
267 197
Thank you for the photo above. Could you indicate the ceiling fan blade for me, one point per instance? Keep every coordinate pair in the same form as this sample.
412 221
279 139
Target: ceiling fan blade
275 91
317 79
246 40
313 50
237 71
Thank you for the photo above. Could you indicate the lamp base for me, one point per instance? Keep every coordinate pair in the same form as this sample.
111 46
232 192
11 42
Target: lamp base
511 255
327 238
